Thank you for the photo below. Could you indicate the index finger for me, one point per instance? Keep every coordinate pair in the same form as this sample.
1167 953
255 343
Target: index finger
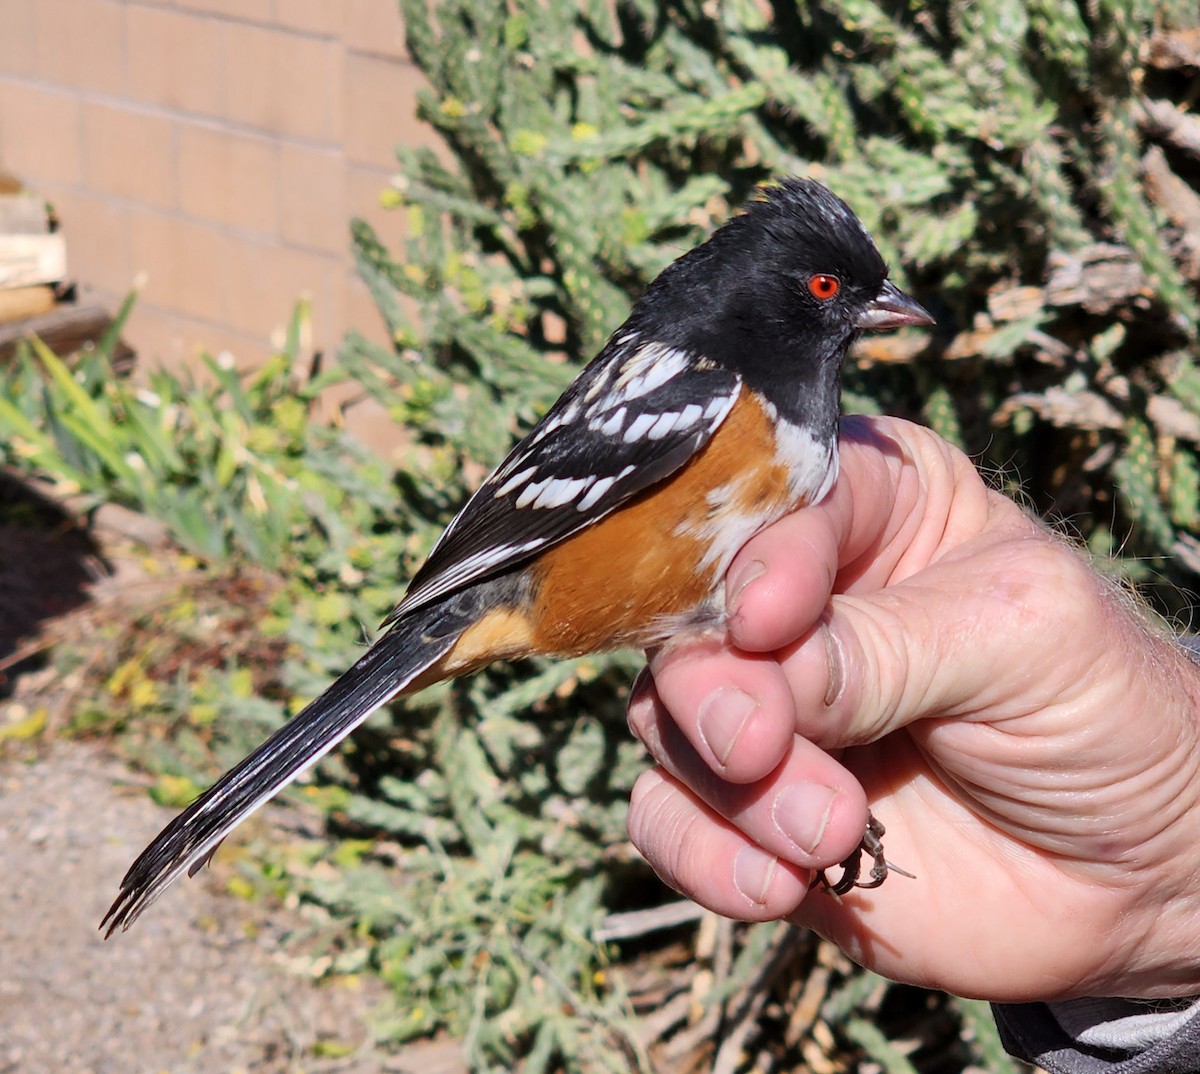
903 495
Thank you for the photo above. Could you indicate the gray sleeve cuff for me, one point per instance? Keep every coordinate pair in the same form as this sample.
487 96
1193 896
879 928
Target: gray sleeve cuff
1107 1036
1104 1036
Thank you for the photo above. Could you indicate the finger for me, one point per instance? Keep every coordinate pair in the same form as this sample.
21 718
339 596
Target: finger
809 810
902 497
973 636
779 583
704 857
735 709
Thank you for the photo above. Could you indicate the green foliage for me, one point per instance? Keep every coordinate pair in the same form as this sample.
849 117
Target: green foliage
987 145
996 148
982 143
486 933
232 465
1137 473
493 947
980 1027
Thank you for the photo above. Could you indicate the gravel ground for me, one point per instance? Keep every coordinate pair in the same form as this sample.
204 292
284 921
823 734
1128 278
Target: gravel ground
201 984
204 983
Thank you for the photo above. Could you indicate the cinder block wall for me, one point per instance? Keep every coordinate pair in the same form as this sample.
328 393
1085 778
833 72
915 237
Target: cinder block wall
219 146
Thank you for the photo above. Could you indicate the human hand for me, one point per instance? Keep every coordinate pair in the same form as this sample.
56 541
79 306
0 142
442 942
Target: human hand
1027 738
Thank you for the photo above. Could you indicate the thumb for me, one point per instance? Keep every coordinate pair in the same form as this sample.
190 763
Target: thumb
977 634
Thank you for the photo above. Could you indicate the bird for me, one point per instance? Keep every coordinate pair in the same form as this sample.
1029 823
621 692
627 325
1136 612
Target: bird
710 413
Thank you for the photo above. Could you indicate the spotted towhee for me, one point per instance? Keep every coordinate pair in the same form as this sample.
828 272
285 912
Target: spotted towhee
711 412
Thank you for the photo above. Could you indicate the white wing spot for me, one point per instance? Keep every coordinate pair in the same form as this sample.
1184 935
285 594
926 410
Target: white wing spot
691 415
467 569
561 491
595 492
597 386
526 546
491 557
613 425
641 425
718 404
532 492
650 367
557 422
516 480
666 422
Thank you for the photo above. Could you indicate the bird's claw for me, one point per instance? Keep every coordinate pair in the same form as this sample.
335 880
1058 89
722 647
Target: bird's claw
872 844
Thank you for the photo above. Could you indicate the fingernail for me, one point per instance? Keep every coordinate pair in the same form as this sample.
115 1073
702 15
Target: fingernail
721 718
741 577
801 812
833 658
753 871
639 699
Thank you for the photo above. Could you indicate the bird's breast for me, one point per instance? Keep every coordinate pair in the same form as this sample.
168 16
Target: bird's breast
655 567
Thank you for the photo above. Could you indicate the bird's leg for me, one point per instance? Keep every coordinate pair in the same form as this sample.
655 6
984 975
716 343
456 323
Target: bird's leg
872 844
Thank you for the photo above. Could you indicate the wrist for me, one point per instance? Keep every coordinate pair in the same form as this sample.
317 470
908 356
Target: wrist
1159 950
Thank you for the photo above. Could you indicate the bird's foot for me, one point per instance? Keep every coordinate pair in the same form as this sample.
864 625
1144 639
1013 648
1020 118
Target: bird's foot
872 844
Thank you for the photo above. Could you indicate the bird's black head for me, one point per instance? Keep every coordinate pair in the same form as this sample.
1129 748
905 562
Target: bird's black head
779 293
802 264
806 240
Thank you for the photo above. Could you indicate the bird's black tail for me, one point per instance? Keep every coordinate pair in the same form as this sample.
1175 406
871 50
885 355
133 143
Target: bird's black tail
392 664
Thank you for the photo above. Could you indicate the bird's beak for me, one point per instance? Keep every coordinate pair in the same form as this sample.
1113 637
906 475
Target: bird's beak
892 308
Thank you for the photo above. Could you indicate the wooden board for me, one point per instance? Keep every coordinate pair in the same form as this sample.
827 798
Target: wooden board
65 329
17 303
32 259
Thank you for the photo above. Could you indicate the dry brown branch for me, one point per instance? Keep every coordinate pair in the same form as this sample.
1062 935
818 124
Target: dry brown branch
1172 418
1166 122
1099 278
628 926
1179 48
1181 203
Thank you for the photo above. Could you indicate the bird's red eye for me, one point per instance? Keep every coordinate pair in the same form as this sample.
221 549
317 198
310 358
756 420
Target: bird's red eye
824 287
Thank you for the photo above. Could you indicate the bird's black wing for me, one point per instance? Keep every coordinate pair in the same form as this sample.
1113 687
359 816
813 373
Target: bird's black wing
634 416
